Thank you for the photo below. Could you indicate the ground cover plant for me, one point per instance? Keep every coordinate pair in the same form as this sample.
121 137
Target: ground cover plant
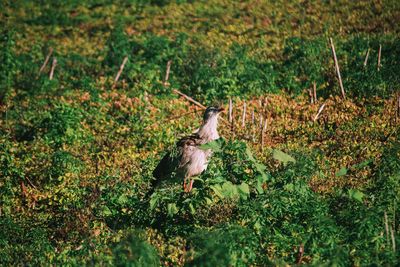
318 184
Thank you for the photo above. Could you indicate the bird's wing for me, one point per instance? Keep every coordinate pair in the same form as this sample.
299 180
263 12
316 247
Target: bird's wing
187 147
177 158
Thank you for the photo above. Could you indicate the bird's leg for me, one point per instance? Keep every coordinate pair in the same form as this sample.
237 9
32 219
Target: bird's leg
191 185
184 185
187 185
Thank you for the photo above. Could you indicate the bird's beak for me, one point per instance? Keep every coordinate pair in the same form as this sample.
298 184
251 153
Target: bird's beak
221 109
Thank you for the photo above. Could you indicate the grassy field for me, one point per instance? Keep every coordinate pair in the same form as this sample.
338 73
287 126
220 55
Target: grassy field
77 149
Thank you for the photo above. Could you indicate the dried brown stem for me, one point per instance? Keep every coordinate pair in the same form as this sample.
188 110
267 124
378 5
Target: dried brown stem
311 96
337 68
379 57
315 91
189 98
300 253
244 115
386 226
366 58
319 112
393 239
46 60
165 83
53 66
230 110
121 68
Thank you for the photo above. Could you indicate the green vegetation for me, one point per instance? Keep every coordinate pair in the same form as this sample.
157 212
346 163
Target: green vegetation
77 151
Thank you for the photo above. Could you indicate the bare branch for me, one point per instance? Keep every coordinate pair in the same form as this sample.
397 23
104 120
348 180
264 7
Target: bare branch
121 68
366 58
189 98
165 83
53 66
46 60
379 57
319 112
315 91
244 115
337 68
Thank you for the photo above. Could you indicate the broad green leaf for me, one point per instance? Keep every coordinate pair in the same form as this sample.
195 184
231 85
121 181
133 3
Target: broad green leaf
172 209
356 195
289 187
257 226
122 199
260 167
250 154
217 190
213 145
208 201
244 190
341 172
282 156
228 189
106 211
260 181
192 209
362 164
153 202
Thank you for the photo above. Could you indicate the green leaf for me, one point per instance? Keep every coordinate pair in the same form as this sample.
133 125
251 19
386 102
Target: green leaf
341 172
260 181
244 190
282 156
362 164
192 209
122 199
106 211
172 209
356 195
229 190
213 145
289 187
217 190
250 154
153 202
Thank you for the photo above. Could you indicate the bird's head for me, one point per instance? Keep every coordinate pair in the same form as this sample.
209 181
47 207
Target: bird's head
212 112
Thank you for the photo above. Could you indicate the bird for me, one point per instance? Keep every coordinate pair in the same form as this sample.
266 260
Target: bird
187 159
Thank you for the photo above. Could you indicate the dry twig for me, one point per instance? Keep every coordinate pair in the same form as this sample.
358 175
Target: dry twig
366 58
46 60
319 112
379 57
121 68
337 68
53 66
165 83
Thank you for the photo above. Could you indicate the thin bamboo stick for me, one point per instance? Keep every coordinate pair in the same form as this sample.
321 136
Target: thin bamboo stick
386 226
379 57
244 115
337 68
398 105
393 239
315 91
319 112
189 98
366 58
230 111
53 66
262 135
165 83
121 68
46 60
311 96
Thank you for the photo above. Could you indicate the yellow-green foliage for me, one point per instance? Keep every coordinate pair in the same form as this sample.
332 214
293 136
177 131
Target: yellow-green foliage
77 152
